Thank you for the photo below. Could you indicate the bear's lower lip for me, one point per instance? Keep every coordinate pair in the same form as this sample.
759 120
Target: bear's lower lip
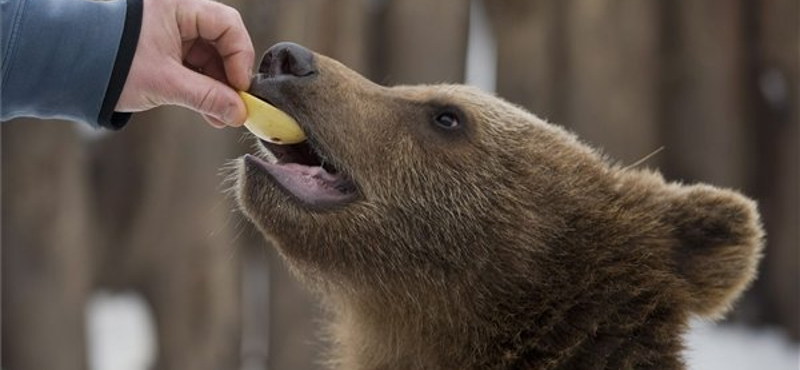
312 186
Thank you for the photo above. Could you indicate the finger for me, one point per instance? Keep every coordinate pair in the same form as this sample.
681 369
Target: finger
213 121
198 53
223 27
204 57
205 95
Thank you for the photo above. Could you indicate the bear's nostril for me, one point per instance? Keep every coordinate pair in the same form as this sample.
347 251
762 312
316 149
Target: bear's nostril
287 58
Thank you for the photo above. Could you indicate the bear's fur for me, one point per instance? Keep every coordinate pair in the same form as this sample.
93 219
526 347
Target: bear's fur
502 243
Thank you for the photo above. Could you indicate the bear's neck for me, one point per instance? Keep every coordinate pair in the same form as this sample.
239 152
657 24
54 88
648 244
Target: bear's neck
639 335
623 330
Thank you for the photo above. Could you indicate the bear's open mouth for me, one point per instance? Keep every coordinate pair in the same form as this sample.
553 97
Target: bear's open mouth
304 174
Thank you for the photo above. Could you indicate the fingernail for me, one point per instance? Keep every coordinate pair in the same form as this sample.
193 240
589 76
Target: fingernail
233 115
227 116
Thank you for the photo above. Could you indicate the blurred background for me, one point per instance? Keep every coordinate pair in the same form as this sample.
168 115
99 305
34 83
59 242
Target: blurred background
121 250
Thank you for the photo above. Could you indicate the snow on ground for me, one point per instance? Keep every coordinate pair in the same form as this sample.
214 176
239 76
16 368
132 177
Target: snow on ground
121 337
736 347
120 331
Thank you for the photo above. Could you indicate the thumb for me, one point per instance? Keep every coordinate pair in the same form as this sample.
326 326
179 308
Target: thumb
207 96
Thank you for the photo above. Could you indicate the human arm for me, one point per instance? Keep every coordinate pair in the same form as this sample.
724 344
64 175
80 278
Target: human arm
63 59
88 61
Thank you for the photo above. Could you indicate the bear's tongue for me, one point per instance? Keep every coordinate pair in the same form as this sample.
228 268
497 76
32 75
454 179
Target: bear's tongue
311 184
299 170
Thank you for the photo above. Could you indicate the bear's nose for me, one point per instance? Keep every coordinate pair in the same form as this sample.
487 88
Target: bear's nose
287 58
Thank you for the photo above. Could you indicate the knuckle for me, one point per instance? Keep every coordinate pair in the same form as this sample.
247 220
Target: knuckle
208 100
249 54
232 14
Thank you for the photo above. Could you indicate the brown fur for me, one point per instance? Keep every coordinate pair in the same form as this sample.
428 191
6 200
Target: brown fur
506 245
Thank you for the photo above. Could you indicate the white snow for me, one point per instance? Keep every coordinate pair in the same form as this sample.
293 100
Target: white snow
736 347
120 331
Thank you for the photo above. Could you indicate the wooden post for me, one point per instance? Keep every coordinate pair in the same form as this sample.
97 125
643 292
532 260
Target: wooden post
776 183
612 64
529 53
425 41
47 245
705 111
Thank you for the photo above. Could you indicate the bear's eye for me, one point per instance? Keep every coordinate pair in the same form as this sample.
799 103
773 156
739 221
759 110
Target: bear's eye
447 120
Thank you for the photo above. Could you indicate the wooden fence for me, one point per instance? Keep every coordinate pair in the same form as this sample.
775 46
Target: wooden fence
713 82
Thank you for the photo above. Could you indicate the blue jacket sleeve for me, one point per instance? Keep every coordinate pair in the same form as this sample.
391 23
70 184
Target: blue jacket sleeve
67 59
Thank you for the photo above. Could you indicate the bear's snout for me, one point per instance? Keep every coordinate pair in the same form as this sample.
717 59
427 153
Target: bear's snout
284 75
287 59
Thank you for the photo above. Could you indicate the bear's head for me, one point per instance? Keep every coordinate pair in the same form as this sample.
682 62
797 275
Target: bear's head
447 228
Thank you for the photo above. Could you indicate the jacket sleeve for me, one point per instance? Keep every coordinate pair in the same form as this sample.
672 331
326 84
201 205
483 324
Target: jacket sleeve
67 59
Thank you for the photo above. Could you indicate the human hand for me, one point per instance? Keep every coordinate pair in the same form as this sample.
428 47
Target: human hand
191 53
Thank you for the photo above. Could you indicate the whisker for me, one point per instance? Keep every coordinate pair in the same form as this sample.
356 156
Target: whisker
644 159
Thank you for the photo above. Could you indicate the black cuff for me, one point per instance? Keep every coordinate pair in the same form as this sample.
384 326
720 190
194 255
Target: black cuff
127 47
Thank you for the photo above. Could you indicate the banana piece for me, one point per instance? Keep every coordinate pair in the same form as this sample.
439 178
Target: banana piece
270 123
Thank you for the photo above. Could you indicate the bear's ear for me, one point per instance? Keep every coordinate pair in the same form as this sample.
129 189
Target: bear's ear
719 245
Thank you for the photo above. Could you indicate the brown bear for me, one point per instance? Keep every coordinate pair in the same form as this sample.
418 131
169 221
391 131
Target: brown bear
445 228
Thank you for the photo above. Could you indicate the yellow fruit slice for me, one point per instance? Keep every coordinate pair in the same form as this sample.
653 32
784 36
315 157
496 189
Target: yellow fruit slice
270 123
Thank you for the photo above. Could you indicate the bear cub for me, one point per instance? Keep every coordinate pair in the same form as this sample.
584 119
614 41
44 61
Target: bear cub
445 228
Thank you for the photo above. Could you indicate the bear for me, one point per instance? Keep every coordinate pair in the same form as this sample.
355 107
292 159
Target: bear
445 228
